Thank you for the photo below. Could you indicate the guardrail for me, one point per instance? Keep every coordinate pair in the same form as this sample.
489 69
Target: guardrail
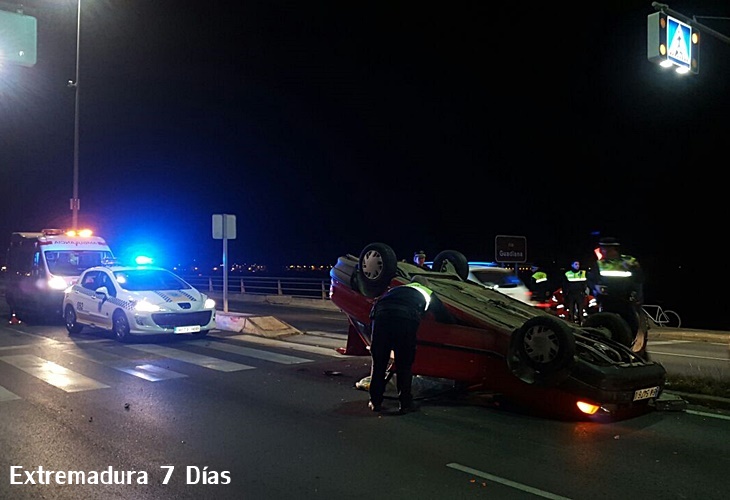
310 288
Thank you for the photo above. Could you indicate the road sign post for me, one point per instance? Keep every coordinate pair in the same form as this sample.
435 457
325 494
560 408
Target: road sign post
224 228
510 249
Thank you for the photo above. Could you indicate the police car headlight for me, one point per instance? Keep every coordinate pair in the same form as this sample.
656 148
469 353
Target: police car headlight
144 306
209 303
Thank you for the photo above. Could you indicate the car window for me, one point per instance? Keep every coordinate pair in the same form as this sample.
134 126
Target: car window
149 279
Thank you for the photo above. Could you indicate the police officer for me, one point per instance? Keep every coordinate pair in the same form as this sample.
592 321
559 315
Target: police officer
394 321
419 259
539 284
574 292
617 282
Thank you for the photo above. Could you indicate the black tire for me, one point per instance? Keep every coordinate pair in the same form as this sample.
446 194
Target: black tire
120 327
72 324
456 259
377 266
612 325
542 350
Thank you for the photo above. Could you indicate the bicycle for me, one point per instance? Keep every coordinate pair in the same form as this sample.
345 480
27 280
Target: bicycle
662 317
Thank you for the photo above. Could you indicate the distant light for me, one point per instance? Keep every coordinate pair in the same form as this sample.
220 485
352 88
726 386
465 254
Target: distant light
143 260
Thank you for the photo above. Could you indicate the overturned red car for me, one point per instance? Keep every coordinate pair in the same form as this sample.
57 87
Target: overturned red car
532 358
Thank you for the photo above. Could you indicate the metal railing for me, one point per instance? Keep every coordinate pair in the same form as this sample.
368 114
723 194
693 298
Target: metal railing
311 288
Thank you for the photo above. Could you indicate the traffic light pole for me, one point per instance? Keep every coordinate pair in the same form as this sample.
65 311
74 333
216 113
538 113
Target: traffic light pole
664 8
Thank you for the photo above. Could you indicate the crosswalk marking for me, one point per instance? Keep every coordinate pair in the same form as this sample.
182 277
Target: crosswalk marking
323 351
6 395
220 365
255 353
53 374
144 371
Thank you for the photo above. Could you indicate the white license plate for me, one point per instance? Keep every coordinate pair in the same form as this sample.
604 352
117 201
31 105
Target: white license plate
187 329
650 392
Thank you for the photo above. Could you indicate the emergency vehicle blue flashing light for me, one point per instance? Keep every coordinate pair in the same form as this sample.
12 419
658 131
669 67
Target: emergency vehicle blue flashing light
143 260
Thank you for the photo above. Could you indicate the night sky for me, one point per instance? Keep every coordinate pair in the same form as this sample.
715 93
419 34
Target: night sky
324 126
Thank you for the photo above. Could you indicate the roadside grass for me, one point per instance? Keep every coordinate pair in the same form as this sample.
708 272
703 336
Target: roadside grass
699 384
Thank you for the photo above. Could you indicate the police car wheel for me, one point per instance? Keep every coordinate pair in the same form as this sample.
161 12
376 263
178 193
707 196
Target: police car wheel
542 350
120 327
452 260
72 324
377 266
611 325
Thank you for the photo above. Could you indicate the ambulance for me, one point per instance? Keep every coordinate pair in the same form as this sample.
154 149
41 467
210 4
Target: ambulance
41 265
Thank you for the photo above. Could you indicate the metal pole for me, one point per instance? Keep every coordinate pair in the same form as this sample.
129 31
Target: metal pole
75 202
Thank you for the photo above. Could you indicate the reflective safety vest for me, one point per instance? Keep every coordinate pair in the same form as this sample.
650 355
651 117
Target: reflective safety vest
575 275
618 268
539 277
425 291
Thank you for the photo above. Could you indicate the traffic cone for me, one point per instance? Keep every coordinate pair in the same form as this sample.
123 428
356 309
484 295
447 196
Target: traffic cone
14 320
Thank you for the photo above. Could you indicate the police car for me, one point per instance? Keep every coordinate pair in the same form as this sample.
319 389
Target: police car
137 301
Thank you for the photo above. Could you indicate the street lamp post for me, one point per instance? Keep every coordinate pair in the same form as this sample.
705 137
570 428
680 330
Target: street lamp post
75 202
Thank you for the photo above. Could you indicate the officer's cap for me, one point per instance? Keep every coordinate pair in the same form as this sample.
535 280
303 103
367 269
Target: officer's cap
420 253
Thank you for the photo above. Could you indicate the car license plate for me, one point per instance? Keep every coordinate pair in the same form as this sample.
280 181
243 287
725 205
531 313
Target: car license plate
650 392
187 329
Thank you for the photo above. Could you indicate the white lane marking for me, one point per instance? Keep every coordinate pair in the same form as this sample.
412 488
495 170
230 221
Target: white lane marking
687 356
6 395
53 374
145 371
220 365
254 353
710 415
325 351
506 482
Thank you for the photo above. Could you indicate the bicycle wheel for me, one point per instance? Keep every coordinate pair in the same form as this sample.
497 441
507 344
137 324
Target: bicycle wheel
669 319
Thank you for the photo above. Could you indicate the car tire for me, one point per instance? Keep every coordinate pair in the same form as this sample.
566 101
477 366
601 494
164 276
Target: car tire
542 350
612 325
377 266
456 259
120 327
72 324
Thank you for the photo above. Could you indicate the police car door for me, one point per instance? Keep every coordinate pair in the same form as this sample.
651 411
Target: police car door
104 307
84 297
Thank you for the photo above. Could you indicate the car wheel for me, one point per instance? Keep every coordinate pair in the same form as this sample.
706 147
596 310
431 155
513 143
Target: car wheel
377 266
72 324
120 327
542 350
451 260
611 325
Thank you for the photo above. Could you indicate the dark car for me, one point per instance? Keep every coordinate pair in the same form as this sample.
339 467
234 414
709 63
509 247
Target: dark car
531 357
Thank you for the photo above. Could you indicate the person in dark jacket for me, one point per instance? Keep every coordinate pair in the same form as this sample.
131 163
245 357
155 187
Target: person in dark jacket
394 321
617 282
574 292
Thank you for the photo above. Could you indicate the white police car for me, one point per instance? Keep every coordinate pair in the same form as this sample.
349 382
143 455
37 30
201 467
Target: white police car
137 301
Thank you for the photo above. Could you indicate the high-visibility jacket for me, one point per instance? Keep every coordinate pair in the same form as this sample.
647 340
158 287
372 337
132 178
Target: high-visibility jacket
575 281
539 277
621 277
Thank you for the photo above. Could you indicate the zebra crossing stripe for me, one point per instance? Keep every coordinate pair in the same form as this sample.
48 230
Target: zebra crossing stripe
220 365
53 374
6 395
255 353
145 371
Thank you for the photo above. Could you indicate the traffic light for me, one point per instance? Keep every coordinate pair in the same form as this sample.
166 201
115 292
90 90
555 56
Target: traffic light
672 43
18 38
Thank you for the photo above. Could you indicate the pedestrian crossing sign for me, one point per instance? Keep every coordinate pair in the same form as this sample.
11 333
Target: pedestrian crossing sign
679 46
673 43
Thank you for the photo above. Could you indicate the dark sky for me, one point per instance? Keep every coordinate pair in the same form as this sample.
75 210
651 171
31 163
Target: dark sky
324 126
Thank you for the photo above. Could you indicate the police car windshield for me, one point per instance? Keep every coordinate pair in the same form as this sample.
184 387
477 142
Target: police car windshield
74 262
137 280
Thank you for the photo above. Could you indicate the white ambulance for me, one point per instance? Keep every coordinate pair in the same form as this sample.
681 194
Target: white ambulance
41 265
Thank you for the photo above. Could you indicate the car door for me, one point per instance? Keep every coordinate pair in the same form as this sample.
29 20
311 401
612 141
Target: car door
105 290
83 296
